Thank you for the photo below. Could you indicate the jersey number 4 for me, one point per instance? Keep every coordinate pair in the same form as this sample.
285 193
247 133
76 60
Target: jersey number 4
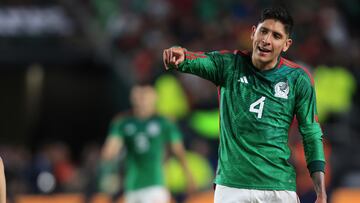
142 143
258 106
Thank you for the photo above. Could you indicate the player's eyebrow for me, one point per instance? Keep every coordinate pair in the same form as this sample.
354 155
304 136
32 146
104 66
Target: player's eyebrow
275 32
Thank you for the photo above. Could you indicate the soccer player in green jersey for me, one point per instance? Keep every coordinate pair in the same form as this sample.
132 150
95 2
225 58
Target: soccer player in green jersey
260 94
145 136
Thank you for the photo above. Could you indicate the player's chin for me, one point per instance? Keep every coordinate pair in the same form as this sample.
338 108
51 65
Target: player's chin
264 58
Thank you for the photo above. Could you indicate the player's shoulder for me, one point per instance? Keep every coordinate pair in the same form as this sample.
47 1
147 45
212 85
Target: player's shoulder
298 70
121 117
160 118
163 120
236 52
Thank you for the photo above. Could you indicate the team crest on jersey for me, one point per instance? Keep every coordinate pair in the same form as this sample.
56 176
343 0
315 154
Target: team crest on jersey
153 129
130 129
281 90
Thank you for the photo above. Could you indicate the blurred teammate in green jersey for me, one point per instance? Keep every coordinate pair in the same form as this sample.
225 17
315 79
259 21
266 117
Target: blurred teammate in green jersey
145 136
260 94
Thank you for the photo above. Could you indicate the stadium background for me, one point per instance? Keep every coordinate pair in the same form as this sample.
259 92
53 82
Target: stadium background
66 67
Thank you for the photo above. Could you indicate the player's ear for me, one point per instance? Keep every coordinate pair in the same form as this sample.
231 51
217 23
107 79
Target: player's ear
253 30
287 45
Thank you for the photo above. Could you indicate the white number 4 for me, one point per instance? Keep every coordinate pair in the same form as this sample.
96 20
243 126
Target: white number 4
258 110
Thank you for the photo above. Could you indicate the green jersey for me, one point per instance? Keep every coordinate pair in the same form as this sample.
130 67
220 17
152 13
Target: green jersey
145 142
256 111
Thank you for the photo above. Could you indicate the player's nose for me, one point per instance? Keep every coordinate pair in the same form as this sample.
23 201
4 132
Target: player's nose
266 39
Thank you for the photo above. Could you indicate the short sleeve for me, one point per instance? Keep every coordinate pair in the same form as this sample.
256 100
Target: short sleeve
173 134
115 128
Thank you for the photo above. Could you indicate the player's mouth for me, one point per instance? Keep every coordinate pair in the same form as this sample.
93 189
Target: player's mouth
263 51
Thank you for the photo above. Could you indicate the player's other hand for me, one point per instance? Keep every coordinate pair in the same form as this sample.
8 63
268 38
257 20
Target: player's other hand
190 186
322 199
173 56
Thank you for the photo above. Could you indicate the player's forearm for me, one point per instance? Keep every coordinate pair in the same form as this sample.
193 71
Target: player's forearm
3 190
185 167
2 183
179 152
200 64
313 146
190 184
195 63
318 179
111 149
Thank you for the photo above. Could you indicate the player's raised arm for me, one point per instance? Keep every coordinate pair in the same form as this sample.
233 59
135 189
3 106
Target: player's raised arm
208 65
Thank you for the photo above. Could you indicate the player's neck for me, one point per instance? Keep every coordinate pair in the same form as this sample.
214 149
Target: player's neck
143 114
264 66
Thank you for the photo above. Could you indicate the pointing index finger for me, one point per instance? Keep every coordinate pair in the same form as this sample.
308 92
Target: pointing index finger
165 59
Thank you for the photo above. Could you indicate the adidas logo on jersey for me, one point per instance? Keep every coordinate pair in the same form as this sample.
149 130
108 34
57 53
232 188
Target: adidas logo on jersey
243 80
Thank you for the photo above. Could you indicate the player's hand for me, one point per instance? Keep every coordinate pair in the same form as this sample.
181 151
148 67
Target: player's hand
173 56
190 186
321 199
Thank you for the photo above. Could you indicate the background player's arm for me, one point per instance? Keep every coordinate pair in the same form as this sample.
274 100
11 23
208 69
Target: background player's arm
178 150
310 130
2 183
114 141
209 65
112 147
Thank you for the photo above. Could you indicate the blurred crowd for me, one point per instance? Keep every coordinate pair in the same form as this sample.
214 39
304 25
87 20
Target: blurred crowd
134 32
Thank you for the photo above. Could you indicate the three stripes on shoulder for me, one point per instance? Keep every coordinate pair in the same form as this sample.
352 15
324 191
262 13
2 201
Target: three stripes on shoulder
243 79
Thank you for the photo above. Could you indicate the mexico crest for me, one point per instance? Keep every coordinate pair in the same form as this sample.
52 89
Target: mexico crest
130 129
153 129
281 90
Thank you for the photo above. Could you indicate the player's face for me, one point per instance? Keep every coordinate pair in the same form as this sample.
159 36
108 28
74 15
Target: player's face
269 39
143 99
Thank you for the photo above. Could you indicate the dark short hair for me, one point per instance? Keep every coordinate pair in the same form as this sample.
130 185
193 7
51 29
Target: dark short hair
280 14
